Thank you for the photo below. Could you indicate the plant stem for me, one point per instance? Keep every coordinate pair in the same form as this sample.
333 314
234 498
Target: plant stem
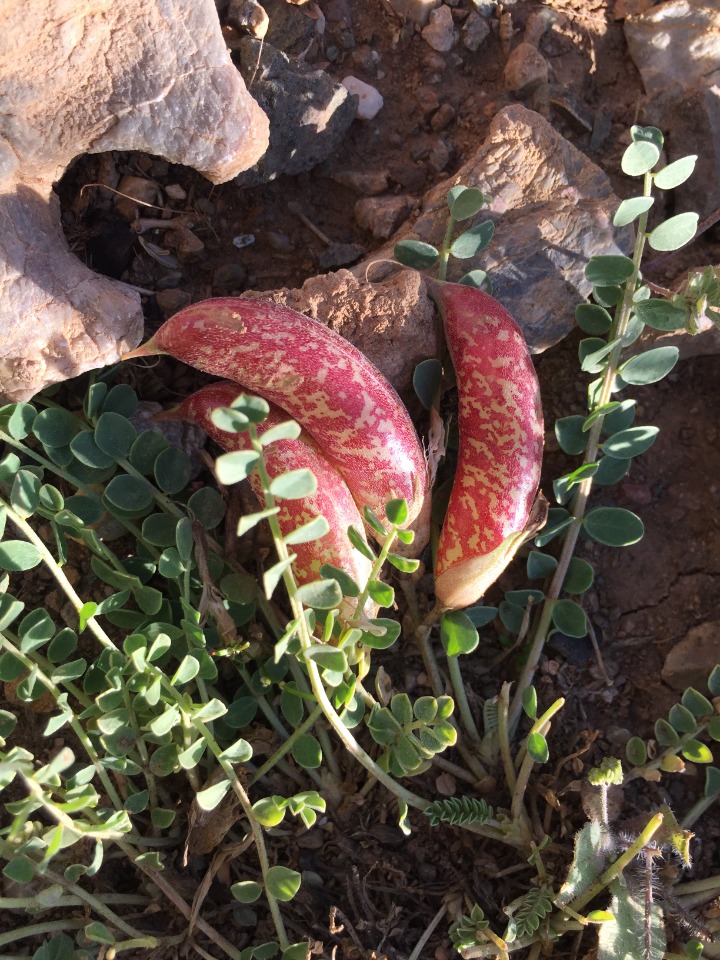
616 868
37 929
306 725
620 322
445 249
461 700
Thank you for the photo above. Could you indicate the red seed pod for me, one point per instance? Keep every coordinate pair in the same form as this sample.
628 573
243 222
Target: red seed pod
326 384
501 440
332 498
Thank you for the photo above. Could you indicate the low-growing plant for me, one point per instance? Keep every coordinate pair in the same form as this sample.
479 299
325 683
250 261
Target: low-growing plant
168 655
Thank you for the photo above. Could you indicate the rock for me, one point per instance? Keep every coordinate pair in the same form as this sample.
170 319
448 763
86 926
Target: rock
629 8
135 189
475 32
63 95
249 15
393 322
291 30
339 255
309 113
170 301
552 208
676 45
382 215
370 183
416 11
690 661
525 70
439 156
440 31
443 117
186 244
370 102
692 125
229 278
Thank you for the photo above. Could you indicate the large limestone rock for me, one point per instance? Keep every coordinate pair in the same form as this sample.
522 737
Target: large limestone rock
86 76
552 208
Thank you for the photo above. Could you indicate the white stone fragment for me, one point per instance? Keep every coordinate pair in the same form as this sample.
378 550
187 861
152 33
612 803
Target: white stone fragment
371 101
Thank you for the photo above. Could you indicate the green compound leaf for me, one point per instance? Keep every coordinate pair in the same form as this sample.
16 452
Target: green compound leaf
537 748
675 173
382 593
639 158
239 752
649 367
636 751
539 566
592 353
56 428
569 618
246 891
609 271
674 233
660 315
651 134
465 202
593 319
172 470
282 883
665 734
235 466
86 450
570 435
294 485
579 577
131 494
121 399
289 430
621 418
231 421
114 435
254 409
18 555
681 719
321 594
631 209
478 279
358 541
613 526
458 633
696 703
209 798
312 530
427 376
474 240
347 584
697 752
416 254
397 511
21 420
159 529
306 752
630 443
610 471
207 506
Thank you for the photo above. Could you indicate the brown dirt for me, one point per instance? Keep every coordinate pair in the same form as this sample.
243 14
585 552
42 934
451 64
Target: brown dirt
645 598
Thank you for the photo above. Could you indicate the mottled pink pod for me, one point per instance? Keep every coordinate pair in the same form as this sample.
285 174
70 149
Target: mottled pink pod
501 440
332 498
326 384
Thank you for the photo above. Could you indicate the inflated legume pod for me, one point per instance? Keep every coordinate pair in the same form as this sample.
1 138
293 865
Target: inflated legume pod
332 498
501 440
326 384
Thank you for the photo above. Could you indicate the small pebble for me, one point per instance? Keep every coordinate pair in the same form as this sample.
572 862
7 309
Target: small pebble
475 31
229 277
525 70
439 156
440 31
370 100
443 117
175 191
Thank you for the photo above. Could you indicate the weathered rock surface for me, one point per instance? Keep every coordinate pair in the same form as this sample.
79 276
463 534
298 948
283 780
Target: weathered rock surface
391 322
676 48
525 69
552 209
690 661
417 11
309 113
93 76
676 44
